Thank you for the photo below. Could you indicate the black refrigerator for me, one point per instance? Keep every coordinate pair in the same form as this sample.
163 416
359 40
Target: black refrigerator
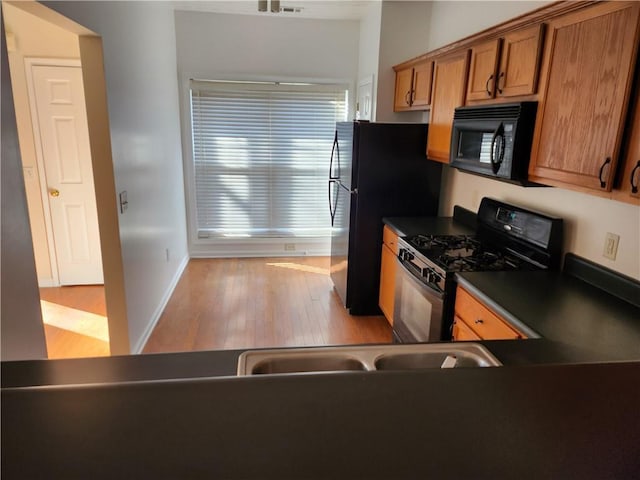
376 170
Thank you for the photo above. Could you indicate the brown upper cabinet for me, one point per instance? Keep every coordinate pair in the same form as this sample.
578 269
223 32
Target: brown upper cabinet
449 87
413 87
629 187
506 66
591 54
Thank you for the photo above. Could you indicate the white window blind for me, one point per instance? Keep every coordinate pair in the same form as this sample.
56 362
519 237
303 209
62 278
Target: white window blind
261 157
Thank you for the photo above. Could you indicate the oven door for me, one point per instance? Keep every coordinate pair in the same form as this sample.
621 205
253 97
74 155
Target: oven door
418 309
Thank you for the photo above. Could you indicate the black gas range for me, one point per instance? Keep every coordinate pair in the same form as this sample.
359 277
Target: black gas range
507 238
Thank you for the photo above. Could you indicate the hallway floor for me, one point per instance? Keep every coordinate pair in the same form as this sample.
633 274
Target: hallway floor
75 321
259 302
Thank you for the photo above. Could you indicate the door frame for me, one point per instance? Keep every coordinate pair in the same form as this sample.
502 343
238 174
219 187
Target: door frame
95 91
29 63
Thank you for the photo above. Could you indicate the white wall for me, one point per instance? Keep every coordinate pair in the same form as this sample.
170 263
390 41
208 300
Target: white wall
214 46
369 48
222 46
588 217
404 34
140 63
453 20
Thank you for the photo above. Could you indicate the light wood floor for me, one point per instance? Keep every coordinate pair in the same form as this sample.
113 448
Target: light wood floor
75 321
259 302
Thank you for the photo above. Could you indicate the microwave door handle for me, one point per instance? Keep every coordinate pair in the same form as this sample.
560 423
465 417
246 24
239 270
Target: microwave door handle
497 149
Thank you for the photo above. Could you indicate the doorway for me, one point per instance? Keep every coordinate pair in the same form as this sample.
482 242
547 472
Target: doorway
60 104
59 118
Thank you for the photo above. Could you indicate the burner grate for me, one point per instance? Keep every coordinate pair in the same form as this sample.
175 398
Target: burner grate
463 253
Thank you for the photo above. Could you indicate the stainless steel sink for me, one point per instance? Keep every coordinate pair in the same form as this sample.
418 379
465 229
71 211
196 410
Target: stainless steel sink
416 361
306 363
365 358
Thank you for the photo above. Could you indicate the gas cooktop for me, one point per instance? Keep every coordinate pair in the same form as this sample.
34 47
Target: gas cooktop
463 253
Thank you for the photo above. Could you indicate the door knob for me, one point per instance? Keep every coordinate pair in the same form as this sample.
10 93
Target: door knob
54 193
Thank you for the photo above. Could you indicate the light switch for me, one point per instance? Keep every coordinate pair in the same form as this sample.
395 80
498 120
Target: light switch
123 201
29 173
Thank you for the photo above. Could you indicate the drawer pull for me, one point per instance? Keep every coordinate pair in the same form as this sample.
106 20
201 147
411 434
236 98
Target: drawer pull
478 320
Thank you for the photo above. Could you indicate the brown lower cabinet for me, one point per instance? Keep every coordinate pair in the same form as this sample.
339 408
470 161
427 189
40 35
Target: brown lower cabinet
474 321
461 331
388 270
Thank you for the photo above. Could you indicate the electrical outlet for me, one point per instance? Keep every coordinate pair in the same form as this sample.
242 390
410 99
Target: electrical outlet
611 241
289 247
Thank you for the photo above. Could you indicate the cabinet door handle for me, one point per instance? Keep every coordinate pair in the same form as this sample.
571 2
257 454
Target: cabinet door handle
634 186
413 96
486 85
407 99
603 183
501 77
478 320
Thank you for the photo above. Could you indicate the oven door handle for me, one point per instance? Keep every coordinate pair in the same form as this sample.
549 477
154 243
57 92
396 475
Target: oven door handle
425 288
407 326
406 266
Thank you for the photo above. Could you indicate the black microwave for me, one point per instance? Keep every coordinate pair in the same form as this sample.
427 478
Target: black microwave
494 140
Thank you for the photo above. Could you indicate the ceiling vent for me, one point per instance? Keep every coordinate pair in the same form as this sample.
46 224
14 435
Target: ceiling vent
274 6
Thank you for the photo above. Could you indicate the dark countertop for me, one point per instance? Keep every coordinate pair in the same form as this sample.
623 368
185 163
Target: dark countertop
407 226
577 421
220 363
125 368
562 308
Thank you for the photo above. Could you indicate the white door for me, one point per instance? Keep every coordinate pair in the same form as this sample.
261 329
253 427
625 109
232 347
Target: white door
65 155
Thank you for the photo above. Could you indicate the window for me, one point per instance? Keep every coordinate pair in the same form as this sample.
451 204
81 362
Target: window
261 157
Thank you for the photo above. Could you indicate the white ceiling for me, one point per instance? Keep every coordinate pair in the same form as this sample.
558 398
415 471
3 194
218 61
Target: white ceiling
324 9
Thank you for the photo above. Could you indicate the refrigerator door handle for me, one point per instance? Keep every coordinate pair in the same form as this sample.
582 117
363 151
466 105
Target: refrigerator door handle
334 150
333 201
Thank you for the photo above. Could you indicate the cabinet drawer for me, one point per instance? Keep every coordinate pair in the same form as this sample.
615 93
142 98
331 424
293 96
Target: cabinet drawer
482 321
462 331
390 239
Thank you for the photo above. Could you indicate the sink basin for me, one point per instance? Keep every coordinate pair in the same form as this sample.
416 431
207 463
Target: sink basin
417 361
306 363
365 358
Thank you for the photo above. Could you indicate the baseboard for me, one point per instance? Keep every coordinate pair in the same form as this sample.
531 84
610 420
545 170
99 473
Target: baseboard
165 299
260 254
262 247
47 283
